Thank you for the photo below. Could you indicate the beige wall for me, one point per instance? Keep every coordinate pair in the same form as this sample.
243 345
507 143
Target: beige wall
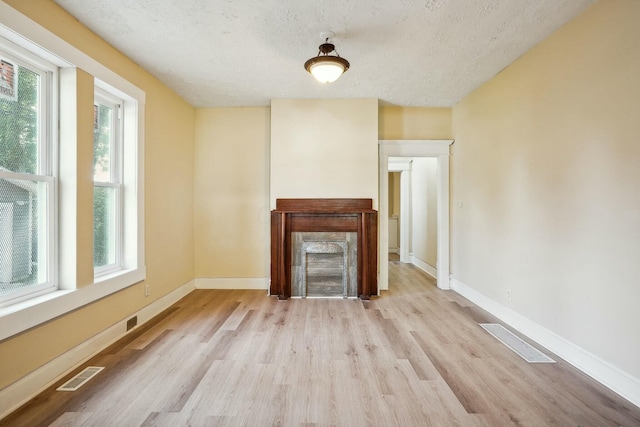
324 148
232 192
394 193
169 131
546 164
424 202
414 123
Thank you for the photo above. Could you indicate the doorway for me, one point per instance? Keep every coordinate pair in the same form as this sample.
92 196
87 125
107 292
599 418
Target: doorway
438 149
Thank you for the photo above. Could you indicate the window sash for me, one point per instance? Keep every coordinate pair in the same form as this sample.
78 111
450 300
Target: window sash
46 100
45 205
115 149
116 231
44 172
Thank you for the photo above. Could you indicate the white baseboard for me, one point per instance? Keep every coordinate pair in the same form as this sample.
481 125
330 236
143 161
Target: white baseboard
610 376
27 387
232 283
424 267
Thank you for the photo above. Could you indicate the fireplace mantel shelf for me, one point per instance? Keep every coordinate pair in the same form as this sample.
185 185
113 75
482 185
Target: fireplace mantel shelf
324 215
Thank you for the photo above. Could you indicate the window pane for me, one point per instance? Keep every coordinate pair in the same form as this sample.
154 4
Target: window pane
106 188
102 142
104 226
19 88
22 234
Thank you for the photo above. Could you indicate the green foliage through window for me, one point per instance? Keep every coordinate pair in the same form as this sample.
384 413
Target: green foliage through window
104 202
19 125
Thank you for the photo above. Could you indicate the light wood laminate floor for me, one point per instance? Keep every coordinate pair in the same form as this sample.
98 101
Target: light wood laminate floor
413 357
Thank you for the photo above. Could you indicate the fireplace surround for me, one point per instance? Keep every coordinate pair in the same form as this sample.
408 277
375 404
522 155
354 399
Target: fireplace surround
324 215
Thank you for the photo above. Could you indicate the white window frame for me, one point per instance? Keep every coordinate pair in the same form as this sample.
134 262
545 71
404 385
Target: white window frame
103 97
131 157
24 315
45 173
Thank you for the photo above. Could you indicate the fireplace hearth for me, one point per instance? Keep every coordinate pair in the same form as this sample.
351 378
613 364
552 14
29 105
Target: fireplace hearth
324 264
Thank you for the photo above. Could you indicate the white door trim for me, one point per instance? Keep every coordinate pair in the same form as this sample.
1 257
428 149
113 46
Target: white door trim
414 148
403 165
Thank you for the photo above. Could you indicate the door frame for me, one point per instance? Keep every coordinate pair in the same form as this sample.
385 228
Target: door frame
440 149
403 166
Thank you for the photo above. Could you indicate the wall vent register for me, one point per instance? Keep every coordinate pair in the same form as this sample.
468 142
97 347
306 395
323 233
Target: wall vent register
81 378
517 345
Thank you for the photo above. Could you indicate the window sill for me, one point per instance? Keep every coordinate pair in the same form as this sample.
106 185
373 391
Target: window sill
24 315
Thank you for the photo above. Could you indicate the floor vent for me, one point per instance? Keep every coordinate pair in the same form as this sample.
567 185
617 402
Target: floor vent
79 380
520 347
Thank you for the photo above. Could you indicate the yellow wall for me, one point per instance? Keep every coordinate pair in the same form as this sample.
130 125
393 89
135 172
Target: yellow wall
324 148
414 123
394 193
424 203
317 143
546 163
169 142
232 192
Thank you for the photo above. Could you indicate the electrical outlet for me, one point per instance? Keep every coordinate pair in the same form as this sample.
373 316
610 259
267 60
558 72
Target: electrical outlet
146 290
508 294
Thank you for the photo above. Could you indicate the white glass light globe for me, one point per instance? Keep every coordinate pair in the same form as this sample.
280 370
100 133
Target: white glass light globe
326 72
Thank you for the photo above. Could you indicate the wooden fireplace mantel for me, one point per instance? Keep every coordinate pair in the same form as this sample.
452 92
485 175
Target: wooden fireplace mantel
324 215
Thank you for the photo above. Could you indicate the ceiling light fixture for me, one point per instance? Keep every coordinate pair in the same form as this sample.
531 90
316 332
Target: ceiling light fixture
324 67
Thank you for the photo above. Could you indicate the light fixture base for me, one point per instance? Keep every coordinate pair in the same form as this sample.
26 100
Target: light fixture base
324 35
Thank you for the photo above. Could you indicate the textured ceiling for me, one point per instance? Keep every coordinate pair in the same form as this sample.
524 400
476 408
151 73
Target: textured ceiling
217 53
